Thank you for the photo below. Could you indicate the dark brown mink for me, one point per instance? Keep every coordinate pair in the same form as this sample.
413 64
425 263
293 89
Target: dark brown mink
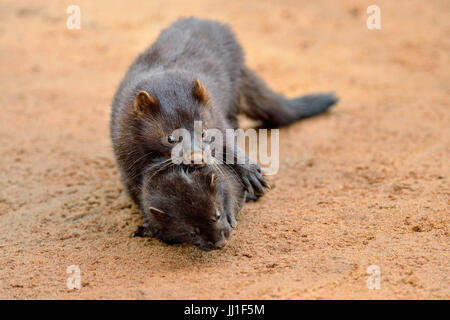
194 70
199 206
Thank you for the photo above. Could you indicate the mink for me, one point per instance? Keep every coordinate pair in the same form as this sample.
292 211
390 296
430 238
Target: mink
198 207
195 71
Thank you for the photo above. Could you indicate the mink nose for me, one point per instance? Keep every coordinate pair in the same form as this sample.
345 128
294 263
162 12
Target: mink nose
222 242
197 159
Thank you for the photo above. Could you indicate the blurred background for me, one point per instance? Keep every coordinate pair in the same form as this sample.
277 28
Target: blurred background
366 184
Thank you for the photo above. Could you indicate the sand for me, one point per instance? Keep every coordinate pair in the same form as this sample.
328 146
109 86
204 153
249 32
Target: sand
366 184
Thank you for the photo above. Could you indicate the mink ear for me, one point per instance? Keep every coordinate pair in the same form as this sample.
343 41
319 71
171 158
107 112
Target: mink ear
158 214
200 92
145 103
212 182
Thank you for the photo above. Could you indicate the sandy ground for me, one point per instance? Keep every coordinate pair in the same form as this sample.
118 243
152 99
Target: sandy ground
366 184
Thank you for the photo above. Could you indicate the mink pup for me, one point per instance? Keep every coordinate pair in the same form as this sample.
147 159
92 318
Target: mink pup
198 207
194 71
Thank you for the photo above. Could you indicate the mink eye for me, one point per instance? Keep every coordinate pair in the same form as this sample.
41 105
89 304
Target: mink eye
195 233
171 139
218 214
203 133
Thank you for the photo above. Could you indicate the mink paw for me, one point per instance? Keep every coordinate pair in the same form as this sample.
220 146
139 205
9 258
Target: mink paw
254 180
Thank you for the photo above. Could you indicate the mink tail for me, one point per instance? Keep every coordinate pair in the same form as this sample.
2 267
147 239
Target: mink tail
275 110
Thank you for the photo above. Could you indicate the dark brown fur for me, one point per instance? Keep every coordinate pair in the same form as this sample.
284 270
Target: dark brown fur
194 71
181 206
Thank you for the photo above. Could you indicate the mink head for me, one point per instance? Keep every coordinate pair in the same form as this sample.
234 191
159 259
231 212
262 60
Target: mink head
165 107
186 207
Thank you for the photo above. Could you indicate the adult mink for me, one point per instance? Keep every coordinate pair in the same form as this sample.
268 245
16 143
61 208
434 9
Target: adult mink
194 71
